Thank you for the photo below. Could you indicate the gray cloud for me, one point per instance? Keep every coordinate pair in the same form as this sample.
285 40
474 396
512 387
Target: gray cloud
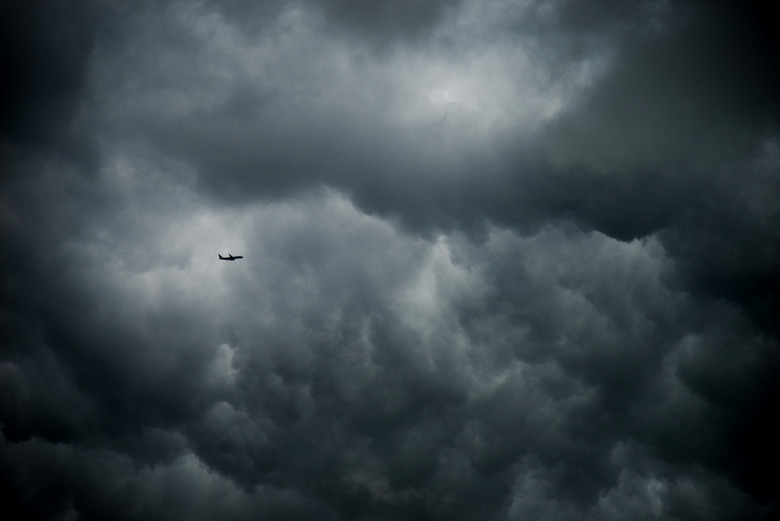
379 22
44 53
694 92
500 262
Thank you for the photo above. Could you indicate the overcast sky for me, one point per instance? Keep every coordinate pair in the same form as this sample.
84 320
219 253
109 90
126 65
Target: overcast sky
503 260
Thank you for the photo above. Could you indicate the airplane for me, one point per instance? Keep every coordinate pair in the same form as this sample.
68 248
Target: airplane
230 257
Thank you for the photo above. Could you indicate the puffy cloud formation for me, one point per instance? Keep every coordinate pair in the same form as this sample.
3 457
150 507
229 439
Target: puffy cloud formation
506 260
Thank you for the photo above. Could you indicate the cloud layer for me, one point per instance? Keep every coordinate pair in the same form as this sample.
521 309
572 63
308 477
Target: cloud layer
501 261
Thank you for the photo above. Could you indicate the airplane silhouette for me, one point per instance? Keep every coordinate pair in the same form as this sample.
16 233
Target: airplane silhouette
230 257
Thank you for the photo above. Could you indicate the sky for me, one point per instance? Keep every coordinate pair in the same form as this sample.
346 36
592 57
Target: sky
507 260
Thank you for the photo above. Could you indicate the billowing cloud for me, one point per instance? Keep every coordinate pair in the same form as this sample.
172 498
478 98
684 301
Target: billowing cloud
501 261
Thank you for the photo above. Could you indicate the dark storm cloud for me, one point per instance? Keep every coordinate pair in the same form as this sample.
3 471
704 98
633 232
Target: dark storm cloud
333 116
44 53
603 348
699 90
695 113
404 17
378 21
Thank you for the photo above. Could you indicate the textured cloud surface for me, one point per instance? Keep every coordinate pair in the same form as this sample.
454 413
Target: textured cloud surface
502 260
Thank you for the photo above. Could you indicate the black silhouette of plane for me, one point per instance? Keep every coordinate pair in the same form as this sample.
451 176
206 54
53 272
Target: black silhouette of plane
230 257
